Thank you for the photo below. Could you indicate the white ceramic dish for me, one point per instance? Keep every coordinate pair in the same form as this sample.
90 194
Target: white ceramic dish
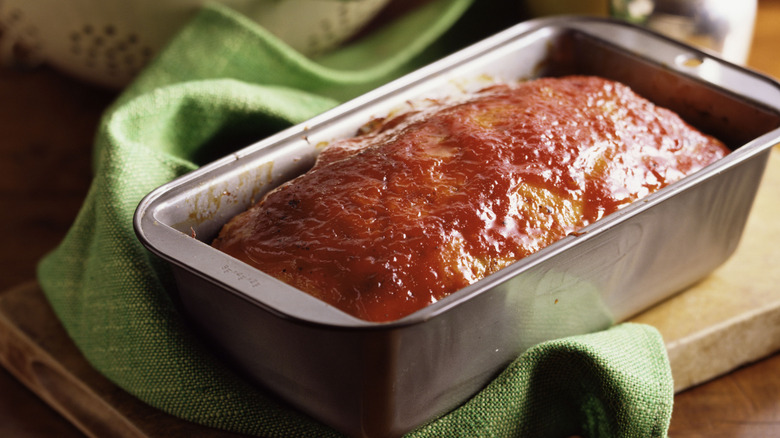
108 41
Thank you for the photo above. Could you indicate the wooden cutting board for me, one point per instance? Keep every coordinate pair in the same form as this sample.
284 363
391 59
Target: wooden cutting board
733 316
35 348
730 319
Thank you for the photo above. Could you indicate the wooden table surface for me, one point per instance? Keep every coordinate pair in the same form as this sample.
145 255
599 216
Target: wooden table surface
47 122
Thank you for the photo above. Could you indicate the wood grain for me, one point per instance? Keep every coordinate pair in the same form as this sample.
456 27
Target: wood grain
744 403
47 122
732 317
36 350
23 414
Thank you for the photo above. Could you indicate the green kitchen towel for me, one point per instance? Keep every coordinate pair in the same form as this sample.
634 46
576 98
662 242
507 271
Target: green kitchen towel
221 84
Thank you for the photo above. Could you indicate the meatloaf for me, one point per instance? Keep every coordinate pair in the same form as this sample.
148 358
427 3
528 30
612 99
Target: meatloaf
421 204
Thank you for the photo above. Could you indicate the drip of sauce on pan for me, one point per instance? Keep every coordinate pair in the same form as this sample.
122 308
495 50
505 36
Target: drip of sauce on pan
419 206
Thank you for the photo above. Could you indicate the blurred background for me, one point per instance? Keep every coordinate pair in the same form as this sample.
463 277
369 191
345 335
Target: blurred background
108 42
63 63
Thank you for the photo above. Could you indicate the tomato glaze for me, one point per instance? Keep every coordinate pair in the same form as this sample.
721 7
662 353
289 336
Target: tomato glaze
423 204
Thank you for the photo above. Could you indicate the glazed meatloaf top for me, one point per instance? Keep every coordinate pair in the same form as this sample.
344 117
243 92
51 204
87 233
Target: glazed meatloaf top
421 204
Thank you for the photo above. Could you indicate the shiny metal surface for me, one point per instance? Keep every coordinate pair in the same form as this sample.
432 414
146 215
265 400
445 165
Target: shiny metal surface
370 379
724 26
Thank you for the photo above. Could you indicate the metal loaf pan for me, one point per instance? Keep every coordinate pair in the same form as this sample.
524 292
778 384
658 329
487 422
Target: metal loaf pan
378 379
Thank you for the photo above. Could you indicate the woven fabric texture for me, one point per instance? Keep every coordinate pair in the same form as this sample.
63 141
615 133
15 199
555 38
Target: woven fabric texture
221 84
